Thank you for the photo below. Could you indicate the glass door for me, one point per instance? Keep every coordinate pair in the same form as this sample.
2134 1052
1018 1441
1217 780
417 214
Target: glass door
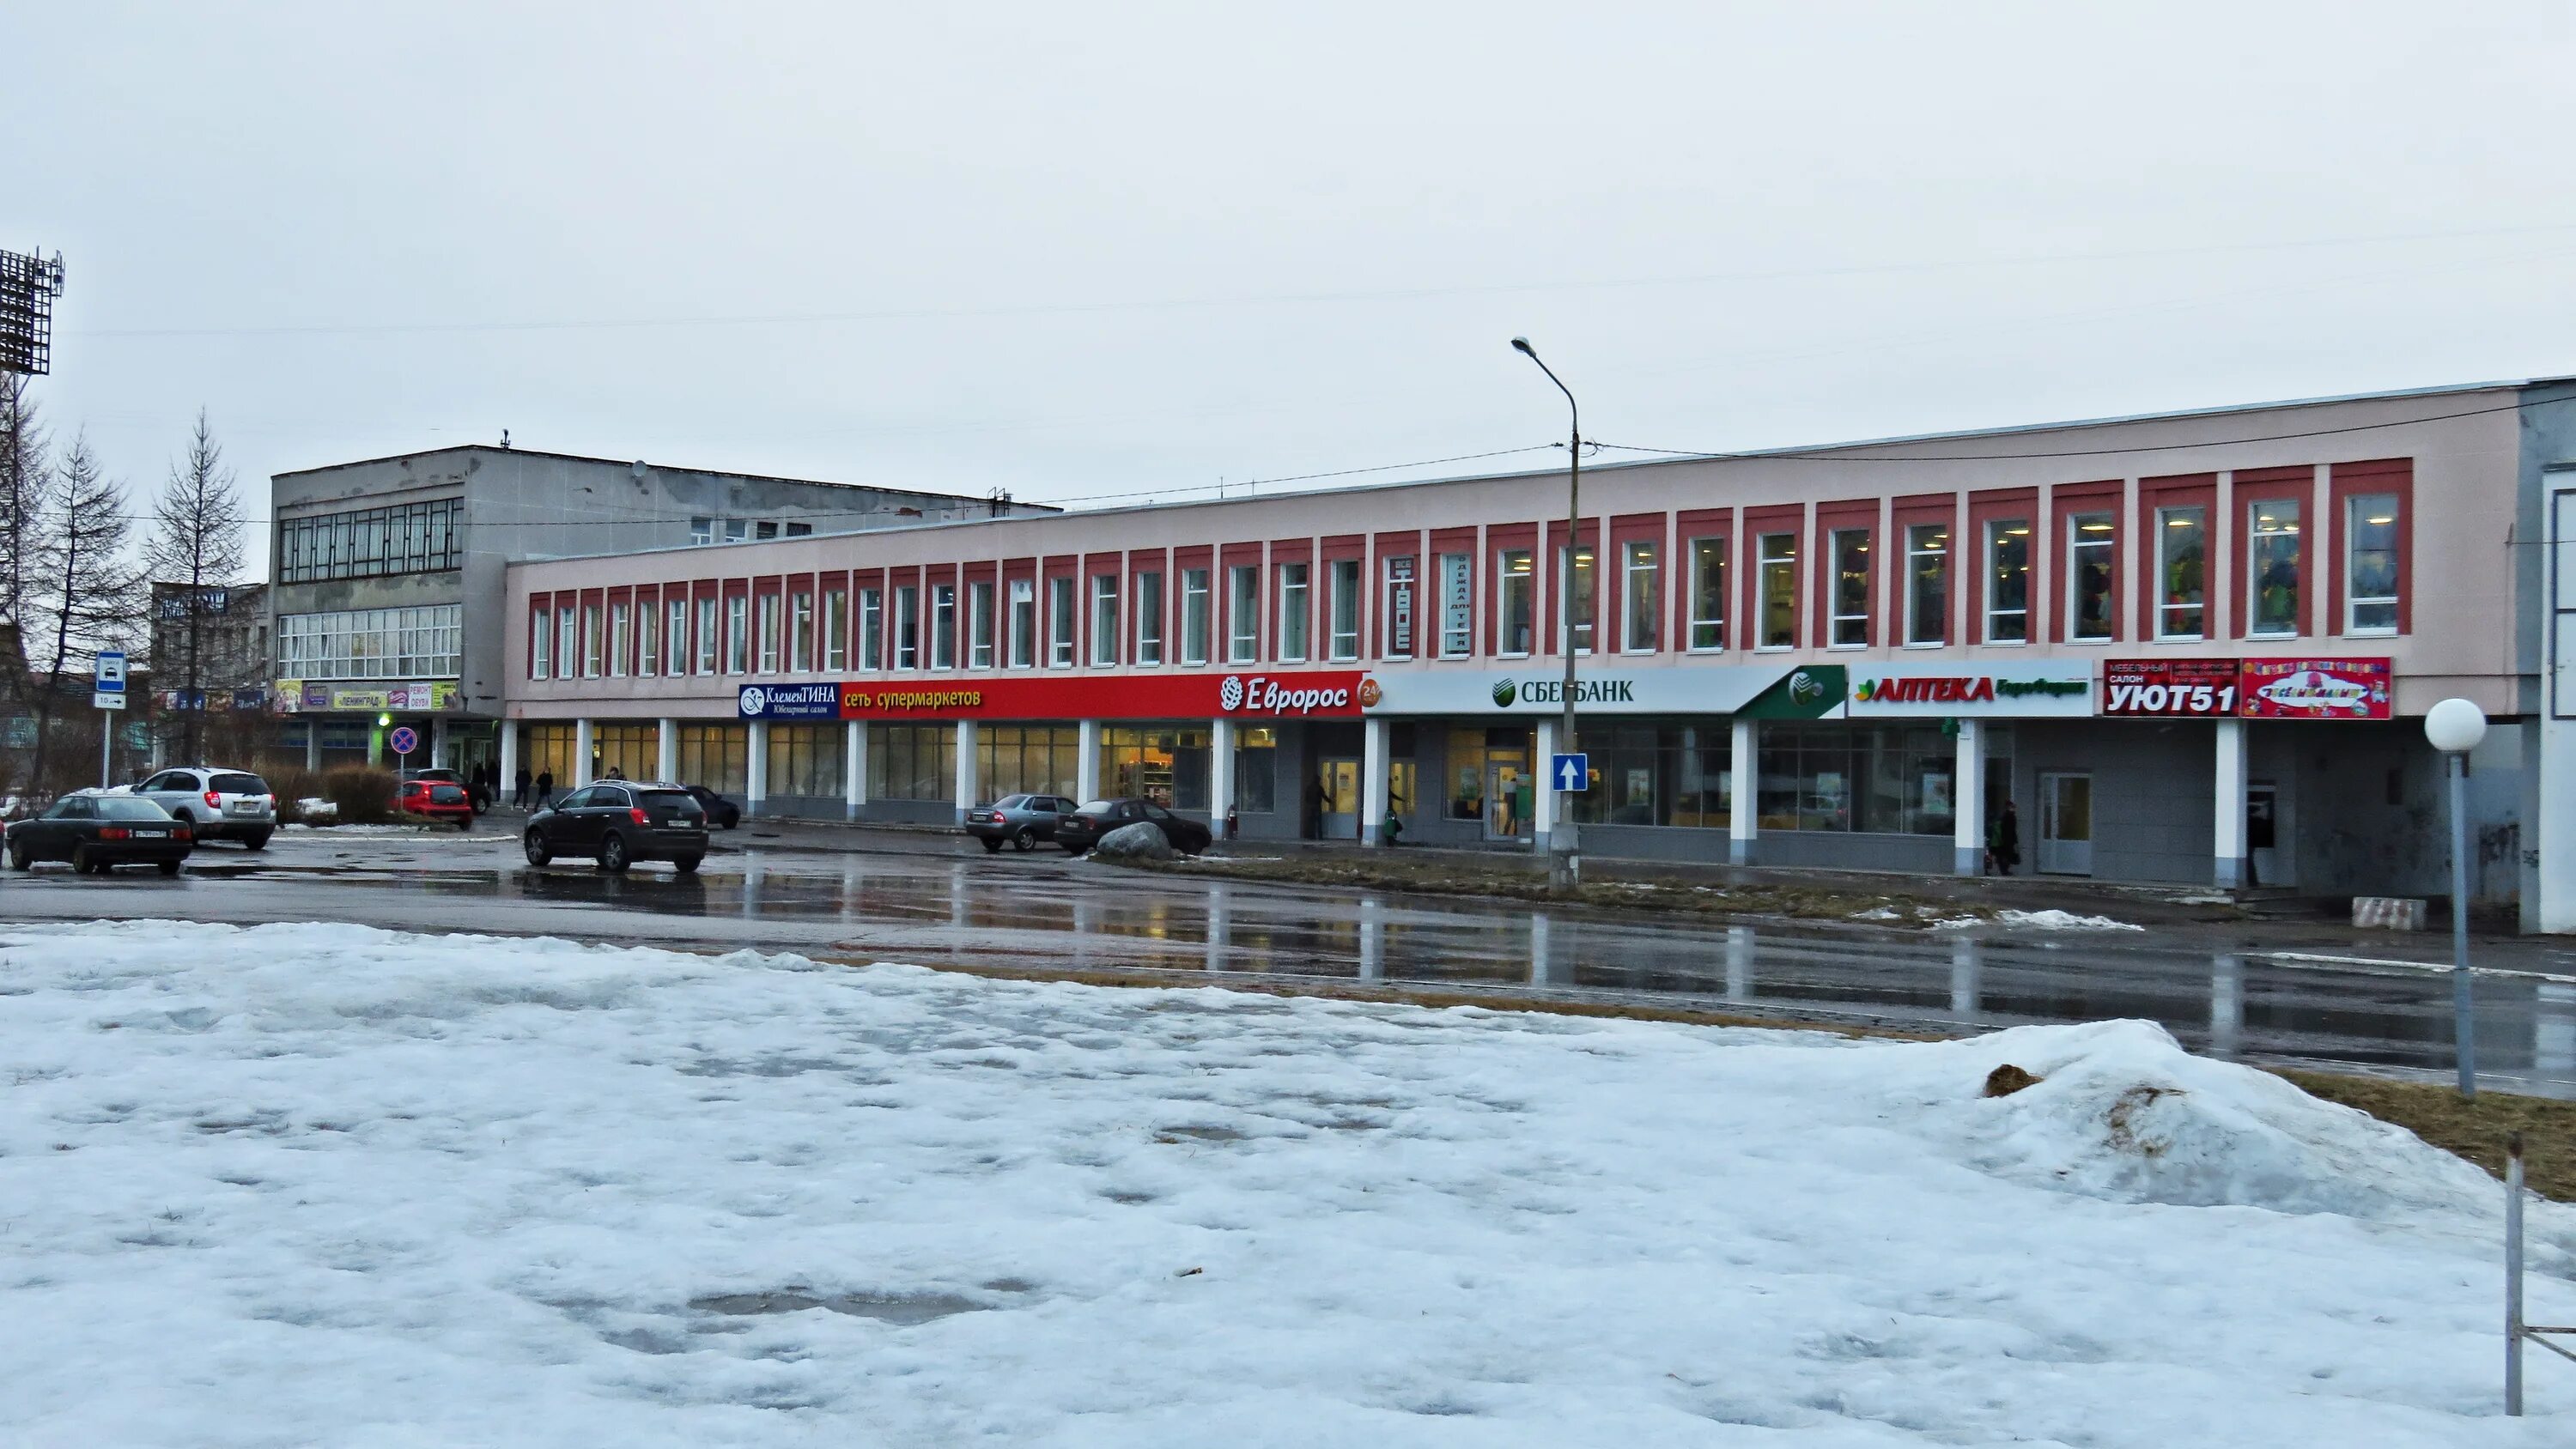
2065 824
1507 801
1337 809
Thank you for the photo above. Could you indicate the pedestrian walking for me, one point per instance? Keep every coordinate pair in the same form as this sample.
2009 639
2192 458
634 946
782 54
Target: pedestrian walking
545 788
2003 841
519 796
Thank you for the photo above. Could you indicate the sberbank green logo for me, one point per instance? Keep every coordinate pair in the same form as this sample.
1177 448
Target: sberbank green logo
1505 692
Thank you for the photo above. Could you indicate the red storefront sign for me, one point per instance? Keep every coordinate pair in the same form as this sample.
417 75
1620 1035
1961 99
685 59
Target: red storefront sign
2170 688
1303 694
2248 688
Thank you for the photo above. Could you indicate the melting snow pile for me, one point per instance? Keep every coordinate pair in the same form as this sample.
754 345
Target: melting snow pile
2048 920
328 1184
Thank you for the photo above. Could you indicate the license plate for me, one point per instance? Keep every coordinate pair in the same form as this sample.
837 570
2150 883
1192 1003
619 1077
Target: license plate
152 835
243 807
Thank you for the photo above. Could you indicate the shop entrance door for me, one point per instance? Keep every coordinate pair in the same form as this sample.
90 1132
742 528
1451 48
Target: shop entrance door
1507 801
2065 823
1337 813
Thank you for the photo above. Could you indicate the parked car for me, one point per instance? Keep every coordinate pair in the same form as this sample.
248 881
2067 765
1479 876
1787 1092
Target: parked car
719 810
1018 821
1082 829
97 830
215 804
619 822
436 801
475 794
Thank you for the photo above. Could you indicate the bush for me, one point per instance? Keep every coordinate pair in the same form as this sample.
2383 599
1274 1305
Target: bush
363 796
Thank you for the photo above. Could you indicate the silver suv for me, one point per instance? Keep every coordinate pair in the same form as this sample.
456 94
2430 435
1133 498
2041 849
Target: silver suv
217 803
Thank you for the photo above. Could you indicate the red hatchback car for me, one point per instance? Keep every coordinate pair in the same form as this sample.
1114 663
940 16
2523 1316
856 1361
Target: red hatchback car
435 801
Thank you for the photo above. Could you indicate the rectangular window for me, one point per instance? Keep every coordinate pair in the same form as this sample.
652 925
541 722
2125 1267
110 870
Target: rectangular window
1517 599
2008 581
871 629
412 643
1342 637
707 635
1638 634
1194 616
675 636
943 626
1242 614
800 530
541 639
907 626
2181 576
2370 580
800 632
979 624
1848 551
619 641
1399 607
1777 557
1060 623
702 530
1149 618
1585 596
2272 568
1708 594
567 640
737 634
2091 553
1104 619
1292 612
590 641
1927 583
1024 623
836 629
765 529
733 530
770 635
648 638
1457 606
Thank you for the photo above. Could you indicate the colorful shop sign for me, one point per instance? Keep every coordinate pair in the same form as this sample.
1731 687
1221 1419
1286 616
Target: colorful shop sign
2246 688
296 696
2016 691
1298 694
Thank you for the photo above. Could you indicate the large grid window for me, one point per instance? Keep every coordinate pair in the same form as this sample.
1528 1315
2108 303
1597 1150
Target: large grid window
1708 594
805 760
1166 764
912 761
716 756
416 643
407 538
1878 779
2370 564
1651 773
1026 760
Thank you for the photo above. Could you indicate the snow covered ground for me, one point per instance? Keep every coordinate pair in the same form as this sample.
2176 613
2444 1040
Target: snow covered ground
322 1184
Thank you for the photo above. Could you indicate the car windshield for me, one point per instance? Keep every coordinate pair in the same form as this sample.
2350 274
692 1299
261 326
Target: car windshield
127 807
238 785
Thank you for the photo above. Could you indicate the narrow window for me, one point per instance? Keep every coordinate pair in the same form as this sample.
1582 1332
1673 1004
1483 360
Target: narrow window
800 632
2272 568
1242 614
836 629
620 620
648 638
1342 639
979 624
1060 623
1708 594
1457 606
2181 578
1149 617
1777 554
871 629
541 631
1515 577
1637 568
1194 616
1927 583
707 635
2008 581
907 626
2371 582
1024 624
590 641
2091 544
1399 607
770 636
943 626
1104 619
737 634
1848 548
1577 620
1292 612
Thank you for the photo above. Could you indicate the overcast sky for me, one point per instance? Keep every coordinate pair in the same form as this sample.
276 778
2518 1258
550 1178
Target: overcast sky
1084 250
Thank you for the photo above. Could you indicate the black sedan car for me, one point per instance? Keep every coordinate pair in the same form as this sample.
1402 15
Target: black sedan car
619 822
719 810
1082 829
97 832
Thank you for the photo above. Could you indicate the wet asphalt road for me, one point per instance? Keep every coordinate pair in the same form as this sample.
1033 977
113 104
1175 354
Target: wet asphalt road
932 901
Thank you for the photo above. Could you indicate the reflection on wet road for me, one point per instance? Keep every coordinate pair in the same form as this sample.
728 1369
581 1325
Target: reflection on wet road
934 909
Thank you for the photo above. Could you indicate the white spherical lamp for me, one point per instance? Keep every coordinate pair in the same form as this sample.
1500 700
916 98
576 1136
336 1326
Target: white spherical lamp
2455 726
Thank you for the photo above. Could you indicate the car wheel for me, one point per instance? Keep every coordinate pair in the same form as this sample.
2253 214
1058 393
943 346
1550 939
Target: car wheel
1023 841
612 853
539 853
686 864
467 823
83 864
19 859
733 819
1074 847
169 867
258 841
992 844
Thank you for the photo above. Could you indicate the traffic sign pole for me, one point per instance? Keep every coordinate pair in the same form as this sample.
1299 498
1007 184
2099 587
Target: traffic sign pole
108 696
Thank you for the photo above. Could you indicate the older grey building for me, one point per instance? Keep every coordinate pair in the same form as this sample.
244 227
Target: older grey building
385 607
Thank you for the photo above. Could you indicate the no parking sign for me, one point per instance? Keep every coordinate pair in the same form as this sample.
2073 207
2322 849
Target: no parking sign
405 740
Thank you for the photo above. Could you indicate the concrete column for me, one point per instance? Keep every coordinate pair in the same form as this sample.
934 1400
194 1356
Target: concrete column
313 745
2230 806
582 737
1220 775
755 784
666 765
1086 763
509 782
1743 763
854 769
438 743
969 769
1543 797
1373 784
1968 800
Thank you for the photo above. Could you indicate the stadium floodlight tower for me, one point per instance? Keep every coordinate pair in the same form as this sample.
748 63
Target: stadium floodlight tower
28 286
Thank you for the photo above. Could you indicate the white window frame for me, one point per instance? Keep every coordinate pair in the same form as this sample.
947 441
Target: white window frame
1584 633
835 628
800 631
1505 582
1835 618
1022 643
1296 623
1341 592
567 641
648 638
1946 551
1062 626
2078 541
710 642
1699 558
621 615
943 624
1196 614
1104 621
1243 614
590 640
2254 537
1996 531
2353 599
907 626
772 638
1638 565
872 623
1149 616
1763 564
2165 530
737 612
541 642
979 624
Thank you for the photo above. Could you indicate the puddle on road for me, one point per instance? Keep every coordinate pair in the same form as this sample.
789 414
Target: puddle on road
901 1310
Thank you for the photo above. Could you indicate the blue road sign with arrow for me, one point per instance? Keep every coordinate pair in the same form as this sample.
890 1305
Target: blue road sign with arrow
1572 773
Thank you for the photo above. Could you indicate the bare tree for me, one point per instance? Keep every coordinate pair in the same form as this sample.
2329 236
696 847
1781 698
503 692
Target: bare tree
196 544
88 592
25 482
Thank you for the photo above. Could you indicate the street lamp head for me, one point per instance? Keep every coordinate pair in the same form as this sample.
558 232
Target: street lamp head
1521 344
2455 726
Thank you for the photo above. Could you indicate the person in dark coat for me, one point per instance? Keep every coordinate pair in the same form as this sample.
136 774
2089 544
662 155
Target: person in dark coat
545 788
2003 841
519 800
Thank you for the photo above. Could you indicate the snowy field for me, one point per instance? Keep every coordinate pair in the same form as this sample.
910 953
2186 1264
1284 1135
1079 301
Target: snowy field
326 1185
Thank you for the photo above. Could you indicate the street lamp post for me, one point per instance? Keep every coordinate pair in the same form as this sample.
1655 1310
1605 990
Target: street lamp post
2455 726
1565 846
